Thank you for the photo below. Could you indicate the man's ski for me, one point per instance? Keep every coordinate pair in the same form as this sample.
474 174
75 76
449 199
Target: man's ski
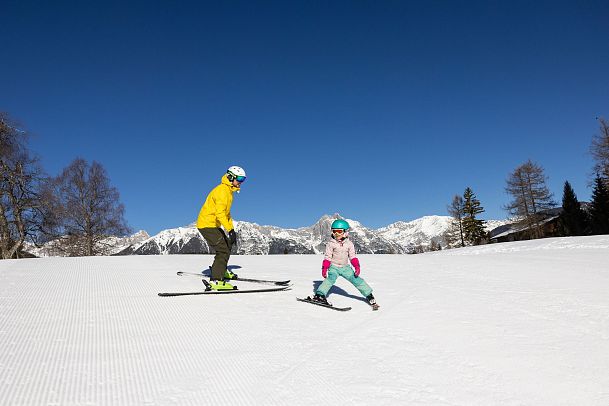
225 292
329 306
240 279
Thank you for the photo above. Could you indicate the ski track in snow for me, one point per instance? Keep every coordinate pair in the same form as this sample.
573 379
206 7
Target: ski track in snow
523 323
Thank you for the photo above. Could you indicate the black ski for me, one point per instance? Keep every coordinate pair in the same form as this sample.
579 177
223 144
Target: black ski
224 292
329 306
263 281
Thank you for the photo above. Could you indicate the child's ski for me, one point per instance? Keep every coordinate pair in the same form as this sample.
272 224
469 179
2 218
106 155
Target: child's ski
224 292
238 279
329 306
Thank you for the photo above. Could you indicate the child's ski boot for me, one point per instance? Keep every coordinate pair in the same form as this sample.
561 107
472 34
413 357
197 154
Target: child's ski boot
320 299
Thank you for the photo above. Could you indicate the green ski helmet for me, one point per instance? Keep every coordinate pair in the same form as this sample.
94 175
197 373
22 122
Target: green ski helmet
340 225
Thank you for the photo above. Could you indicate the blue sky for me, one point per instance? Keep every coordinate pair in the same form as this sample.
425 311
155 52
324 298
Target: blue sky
380 111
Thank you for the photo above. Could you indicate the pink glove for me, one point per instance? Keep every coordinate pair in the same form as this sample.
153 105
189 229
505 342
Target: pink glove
355 263
324 268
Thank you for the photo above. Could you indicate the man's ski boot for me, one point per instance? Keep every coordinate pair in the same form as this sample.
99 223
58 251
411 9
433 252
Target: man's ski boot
372 302
228 275
218 285
320 299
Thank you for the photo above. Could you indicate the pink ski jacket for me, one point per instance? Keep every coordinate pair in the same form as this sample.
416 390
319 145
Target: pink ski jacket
340 252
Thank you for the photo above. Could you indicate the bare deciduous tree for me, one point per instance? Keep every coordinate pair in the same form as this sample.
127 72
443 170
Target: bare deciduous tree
454 234
88 210
527 186
20 180
600 151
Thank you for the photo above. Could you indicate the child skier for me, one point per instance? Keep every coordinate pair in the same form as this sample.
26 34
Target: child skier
339 252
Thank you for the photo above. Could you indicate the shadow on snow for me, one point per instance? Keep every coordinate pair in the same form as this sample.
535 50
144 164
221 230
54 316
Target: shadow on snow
339 291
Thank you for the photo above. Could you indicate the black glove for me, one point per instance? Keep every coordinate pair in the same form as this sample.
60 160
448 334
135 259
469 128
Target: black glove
232 237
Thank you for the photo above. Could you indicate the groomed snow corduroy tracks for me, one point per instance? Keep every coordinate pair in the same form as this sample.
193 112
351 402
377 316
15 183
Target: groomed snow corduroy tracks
508 324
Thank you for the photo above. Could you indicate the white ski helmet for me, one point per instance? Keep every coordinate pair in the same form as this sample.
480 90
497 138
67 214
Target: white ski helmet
236 173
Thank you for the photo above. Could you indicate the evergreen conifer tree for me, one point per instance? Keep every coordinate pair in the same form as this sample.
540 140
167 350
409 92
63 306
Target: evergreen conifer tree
473 228
599 208
572 218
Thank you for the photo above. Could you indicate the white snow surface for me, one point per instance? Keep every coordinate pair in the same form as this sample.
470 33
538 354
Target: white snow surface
524 323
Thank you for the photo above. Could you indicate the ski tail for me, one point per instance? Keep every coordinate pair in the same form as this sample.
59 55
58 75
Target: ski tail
262 281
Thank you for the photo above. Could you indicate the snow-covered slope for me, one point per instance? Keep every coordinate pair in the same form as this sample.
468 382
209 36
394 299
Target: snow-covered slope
523 323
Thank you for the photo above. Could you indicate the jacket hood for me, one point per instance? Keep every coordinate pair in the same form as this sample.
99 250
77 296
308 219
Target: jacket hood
228 183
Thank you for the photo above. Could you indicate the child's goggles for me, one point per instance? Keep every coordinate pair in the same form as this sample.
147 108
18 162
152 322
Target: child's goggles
240 179
337 231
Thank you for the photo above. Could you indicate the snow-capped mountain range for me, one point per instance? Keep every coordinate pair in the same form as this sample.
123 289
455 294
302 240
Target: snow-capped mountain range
113 245
253 239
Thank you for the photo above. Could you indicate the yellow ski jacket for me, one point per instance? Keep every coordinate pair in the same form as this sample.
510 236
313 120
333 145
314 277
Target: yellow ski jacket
216 209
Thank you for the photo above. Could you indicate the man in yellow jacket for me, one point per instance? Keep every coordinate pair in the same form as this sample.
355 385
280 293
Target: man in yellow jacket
215 215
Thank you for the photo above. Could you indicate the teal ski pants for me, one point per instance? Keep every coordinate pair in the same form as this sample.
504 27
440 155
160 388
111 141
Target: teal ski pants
347 273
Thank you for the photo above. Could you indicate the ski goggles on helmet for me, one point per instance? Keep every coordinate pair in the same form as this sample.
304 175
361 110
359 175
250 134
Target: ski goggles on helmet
232 177
338 231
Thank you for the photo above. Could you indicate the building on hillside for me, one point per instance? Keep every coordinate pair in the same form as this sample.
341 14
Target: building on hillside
549 222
